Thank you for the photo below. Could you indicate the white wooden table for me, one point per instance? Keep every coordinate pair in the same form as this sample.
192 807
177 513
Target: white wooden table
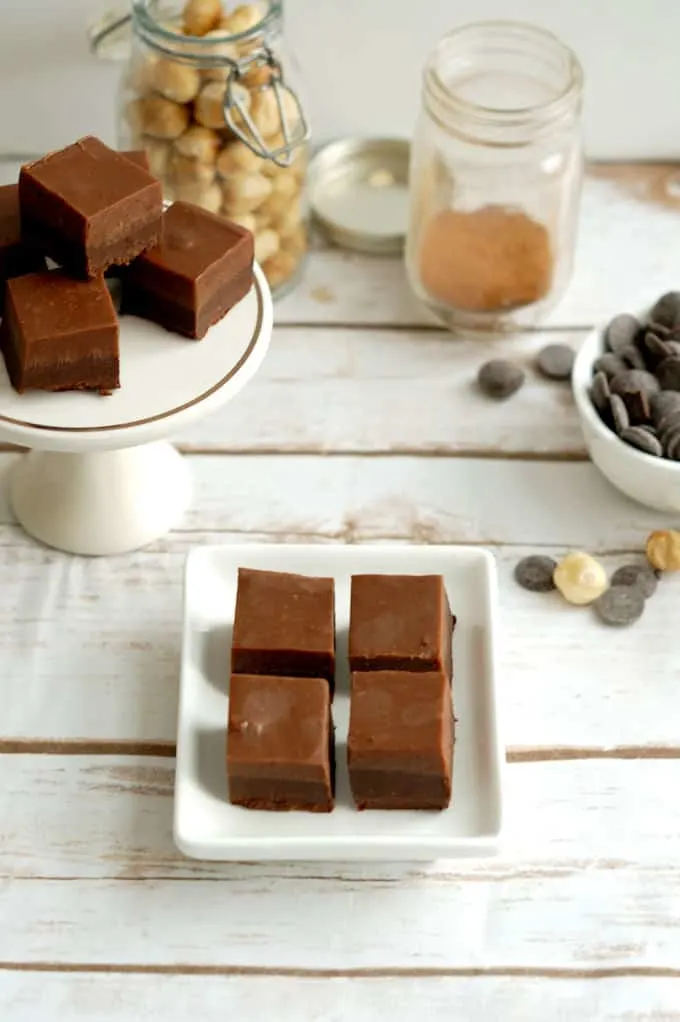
362 426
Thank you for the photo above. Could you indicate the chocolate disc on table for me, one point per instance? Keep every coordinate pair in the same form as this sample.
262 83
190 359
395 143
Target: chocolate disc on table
668 373
500 379
536 573
641 575
643 440
621 332
555 361
666 310
620 605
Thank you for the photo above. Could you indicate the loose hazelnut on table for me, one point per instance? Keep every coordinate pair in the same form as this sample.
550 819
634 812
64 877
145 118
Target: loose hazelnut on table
580 578
663 550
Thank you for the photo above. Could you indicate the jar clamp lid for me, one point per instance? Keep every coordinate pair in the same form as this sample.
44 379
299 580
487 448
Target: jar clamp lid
358 191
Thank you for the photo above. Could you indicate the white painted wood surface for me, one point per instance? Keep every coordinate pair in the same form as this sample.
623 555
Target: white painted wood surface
363 426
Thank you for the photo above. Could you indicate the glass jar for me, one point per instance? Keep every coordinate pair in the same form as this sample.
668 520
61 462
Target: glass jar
208 95
496 168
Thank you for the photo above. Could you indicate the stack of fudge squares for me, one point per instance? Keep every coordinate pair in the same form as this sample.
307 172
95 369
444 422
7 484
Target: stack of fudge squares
280 737
98 213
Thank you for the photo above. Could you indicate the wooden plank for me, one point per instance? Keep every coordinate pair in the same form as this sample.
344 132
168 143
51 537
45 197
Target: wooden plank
111 820
106 997
628 251
365 391
105 634
587 918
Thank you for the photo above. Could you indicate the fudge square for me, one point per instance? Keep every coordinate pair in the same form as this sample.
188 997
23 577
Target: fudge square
401 623
400 742
89 207
60 334
16 258
284 624
202 267
280 752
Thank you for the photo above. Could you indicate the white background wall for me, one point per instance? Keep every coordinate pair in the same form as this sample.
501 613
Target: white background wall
361 60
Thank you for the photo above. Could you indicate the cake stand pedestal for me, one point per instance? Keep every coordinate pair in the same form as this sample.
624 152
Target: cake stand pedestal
99 477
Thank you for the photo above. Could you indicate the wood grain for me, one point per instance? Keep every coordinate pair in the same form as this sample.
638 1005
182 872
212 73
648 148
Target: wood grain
103 997
102 818
341 390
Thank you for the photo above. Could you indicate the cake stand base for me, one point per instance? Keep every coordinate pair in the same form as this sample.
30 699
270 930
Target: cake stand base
104 502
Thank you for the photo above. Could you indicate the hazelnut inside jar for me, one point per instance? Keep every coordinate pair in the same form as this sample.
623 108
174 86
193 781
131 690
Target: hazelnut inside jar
211 96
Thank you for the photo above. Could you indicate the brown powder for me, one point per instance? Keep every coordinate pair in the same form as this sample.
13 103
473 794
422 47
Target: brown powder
491 259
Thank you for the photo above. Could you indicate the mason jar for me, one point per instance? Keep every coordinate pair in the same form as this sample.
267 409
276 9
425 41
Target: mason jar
496 168
209 93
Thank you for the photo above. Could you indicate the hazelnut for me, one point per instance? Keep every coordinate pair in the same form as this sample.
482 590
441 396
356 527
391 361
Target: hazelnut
201 15
157 153
580 578
157 117
296 241
267 244
185 171
280 268
237 158
298 161
243 193
257 76
178 82
246 220
265 112
289 220
663 550
199 143
224 50
140 76
209 104
206 196
241 19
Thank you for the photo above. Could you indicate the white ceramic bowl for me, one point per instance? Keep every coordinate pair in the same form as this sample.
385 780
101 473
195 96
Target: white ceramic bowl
646 479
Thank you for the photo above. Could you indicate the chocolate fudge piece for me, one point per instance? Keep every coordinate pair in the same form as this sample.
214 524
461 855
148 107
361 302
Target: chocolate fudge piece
139 157
202 267
400 623
284 624
16 259
60 334
89 207
280 748
400 742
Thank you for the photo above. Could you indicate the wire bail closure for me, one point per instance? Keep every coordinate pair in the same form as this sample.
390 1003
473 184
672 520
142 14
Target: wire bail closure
234 104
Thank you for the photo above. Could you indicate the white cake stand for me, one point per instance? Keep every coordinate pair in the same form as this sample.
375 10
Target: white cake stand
100 478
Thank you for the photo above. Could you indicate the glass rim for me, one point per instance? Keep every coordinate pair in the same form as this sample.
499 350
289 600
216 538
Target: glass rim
143 16
545 111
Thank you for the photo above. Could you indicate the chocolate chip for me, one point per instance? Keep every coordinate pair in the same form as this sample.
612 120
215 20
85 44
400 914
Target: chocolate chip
621 331
610 364
632 357
669 420
637 406
618 413
535 573
634 380
639 437
668 373
673 347
659 329
620 605
641 575
600 393
654 349
555 361
500 379
673 446
666 311
664 402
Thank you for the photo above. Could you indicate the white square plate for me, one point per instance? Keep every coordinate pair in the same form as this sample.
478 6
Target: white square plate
207 826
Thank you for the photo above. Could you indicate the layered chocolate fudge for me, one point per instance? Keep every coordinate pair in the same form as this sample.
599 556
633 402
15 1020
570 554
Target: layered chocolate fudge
89 207
60 334
16 258
284 625
400 623
280 753
400 742
201 268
